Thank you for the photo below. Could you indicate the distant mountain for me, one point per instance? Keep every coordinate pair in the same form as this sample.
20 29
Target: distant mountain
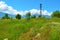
2 14
46 16
13 16
23 16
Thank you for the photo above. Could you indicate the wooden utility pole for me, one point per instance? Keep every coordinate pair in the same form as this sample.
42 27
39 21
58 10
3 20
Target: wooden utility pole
40 9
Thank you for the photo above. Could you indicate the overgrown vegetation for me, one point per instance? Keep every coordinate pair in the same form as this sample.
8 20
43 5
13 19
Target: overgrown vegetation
56 14
28 15
39 28
34 29
6 16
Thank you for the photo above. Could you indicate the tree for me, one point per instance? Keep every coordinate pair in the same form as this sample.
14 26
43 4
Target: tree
6 16
18 16
28 15
56 14
33 16
40 16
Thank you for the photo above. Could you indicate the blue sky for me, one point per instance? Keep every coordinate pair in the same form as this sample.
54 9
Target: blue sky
51 5
23 6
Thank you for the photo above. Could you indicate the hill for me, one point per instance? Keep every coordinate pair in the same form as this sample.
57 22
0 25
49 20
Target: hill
2 14
23 16
33 29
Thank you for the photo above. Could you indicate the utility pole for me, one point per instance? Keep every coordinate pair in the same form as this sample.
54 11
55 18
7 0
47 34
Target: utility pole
40 10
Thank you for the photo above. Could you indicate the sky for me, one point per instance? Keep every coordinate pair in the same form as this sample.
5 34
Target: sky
23 4
50 5
33 6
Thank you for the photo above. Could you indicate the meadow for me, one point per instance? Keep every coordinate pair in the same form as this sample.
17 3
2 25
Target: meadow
33 29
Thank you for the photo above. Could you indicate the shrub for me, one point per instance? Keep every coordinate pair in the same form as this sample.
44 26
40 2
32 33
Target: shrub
33 16
6 16
28 15
18 16
56 14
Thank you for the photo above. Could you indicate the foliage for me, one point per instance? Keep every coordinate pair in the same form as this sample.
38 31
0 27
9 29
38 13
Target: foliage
39 16
49 29
33 16
6 16
18 16
56 14
28 15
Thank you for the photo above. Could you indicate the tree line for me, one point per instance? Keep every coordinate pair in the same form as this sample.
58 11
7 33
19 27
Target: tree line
18 16
28 15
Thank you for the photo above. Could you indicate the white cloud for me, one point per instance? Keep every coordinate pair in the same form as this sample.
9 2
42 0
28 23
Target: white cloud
45 12
9 9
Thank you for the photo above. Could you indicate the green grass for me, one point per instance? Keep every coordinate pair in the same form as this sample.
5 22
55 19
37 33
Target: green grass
49 29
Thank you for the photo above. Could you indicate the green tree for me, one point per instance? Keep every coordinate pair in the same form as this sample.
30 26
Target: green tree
33 16
18 16
28 15
56 14
39 16
6 16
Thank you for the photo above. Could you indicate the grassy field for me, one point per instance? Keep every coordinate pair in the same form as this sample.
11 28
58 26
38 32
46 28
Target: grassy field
33 29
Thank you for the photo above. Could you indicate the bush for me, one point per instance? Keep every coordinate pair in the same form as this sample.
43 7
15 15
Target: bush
6 16
33 16
18 16
56 14
28 15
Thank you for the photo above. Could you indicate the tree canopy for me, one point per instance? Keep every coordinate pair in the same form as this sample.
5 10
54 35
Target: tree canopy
6 16
56 14
18 16
28 15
